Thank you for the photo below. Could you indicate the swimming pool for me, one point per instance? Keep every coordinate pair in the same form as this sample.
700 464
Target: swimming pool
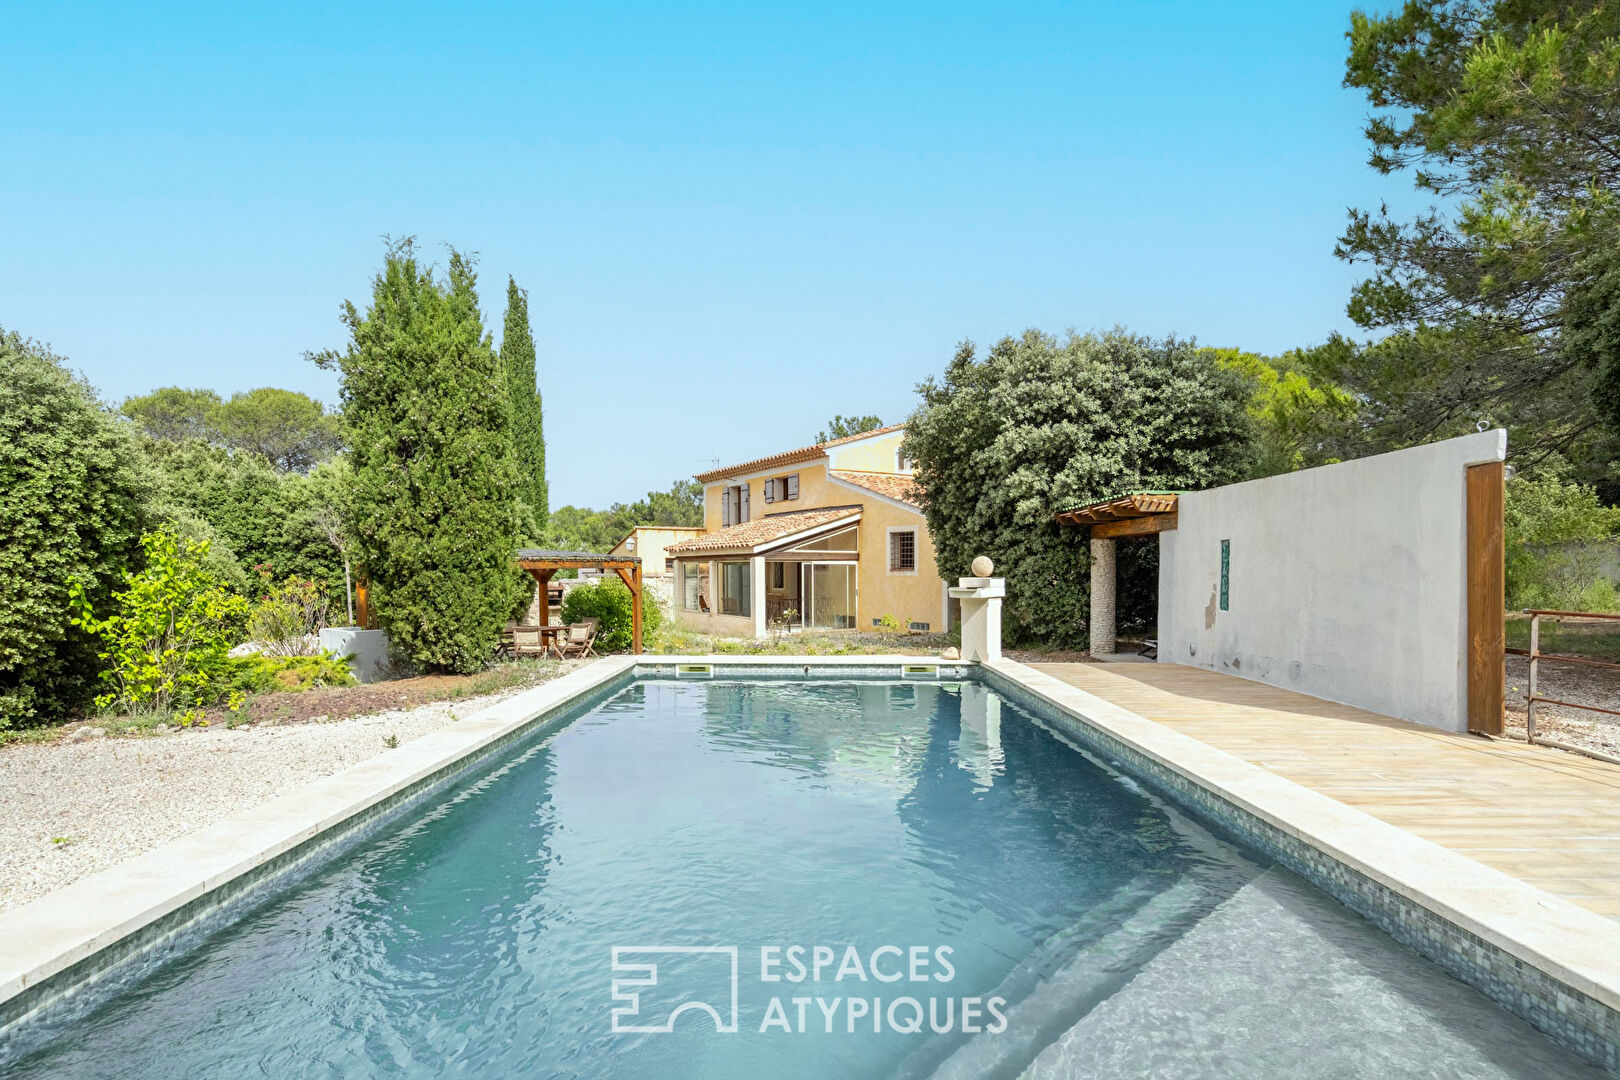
929 850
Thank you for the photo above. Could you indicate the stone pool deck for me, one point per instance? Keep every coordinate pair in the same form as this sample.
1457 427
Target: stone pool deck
1547 817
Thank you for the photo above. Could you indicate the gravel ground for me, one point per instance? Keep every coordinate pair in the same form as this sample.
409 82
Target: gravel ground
72 807
1571 682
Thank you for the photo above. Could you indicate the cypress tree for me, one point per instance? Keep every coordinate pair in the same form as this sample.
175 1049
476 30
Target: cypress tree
428 424
528 428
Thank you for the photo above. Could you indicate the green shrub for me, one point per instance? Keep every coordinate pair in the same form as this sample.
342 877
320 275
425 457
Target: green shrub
259 674
1545 520
283 523
287 617
609 600
74 500
167 639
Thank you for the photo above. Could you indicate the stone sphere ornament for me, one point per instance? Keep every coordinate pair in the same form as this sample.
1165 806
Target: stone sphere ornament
983 567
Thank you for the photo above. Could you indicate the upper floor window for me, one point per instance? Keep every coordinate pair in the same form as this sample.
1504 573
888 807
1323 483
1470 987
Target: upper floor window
901 462
733 504
782 488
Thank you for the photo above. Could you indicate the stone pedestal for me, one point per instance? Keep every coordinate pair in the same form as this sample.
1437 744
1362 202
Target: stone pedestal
1103 637
981 617
366 651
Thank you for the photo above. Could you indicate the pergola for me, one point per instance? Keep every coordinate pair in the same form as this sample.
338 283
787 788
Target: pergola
541 564
1137 513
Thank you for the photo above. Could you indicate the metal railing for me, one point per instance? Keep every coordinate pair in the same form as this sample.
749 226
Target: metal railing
1533 698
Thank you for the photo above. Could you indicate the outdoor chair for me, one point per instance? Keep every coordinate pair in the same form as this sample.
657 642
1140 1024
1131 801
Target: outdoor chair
528 641
578 641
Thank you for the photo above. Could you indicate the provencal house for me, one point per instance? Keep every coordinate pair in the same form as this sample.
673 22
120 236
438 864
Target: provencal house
829 536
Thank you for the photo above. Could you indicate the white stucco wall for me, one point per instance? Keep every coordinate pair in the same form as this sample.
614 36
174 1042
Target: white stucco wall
1346 582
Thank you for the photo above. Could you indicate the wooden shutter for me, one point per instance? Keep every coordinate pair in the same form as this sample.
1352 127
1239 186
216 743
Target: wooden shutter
743 516
725 507
770 491
793 486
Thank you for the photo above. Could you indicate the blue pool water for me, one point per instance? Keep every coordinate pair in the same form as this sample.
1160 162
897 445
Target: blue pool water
932 845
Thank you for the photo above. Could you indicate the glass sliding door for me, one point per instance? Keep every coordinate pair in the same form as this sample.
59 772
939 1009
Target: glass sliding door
736 585
830 591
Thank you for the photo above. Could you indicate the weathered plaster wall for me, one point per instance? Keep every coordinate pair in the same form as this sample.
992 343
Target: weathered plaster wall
1346 582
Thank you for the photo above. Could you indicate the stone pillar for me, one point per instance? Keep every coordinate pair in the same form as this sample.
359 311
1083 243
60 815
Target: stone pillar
981 617
756 594
1102 596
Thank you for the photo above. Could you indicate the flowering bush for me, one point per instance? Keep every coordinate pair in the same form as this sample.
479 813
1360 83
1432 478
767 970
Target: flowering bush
287 621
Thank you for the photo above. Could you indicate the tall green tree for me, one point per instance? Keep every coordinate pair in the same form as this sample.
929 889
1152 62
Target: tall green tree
427 418
1508 114
174 413
841 427
528 426
1301 418
574 528
291 431
1041 424
74 500
259 521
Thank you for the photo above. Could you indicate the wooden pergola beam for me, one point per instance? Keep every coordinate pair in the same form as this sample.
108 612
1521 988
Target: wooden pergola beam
604 563
1140 526
632 581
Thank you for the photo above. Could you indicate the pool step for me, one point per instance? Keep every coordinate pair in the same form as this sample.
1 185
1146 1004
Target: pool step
1280 981
1045 1005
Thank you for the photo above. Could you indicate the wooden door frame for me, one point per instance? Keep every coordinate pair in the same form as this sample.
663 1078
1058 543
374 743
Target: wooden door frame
1486 597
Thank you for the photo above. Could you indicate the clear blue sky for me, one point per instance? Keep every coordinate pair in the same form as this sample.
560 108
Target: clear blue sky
733 222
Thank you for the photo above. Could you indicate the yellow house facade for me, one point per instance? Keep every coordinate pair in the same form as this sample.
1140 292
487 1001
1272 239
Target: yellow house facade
651 543
829 536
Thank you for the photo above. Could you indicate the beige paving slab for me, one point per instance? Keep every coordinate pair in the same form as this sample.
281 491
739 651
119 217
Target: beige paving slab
1542 815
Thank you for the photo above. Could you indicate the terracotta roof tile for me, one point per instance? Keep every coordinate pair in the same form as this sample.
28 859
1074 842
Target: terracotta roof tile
897 486
763 530
790 457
